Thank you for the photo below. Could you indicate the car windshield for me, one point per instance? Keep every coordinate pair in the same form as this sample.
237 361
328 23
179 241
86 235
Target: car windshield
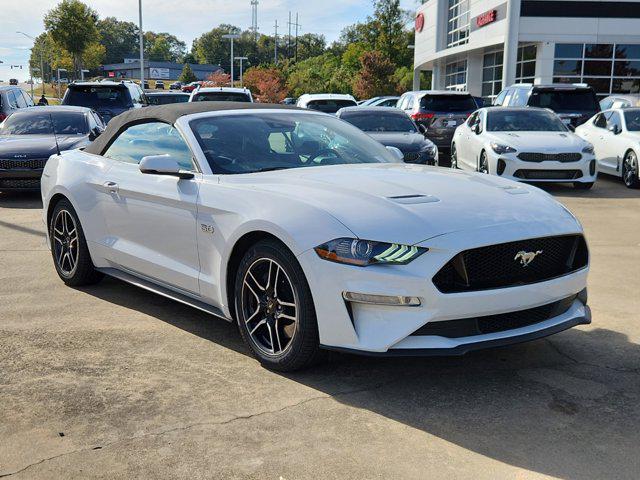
221 97
329 106
98 96
523 121
564 100
39 123
381 122
632 119
166 99
448 103
259 142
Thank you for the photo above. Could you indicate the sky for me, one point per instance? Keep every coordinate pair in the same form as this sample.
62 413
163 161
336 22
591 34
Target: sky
187 19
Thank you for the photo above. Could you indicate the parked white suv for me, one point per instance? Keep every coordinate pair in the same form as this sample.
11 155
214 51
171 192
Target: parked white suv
326 102
221 94
523 144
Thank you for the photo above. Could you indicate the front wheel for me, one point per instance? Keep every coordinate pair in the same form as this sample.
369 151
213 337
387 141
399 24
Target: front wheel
274 308
454 157
483 163
630 170
71 256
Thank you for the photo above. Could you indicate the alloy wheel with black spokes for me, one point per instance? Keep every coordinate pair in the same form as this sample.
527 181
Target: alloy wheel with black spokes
483 163
274 308
269 306
71 256
630 170
453 156
65 242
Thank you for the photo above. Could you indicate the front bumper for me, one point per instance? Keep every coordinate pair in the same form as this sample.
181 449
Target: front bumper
20 179
376 329
583 171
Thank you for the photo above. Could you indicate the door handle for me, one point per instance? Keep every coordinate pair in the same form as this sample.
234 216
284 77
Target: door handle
111 186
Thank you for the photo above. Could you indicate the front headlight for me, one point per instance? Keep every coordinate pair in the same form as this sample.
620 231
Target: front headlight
501 149
430 149
362 253
588 149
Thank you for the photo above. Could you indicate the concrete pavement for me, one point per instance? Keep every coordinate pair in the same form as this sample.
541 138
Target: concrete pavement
113 382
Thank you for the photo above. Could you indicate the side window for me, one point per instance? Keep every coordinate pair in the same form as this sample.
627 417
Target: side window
472 119
613 120
606 103
27 98
600 121
402 103
11 98
154 138
507 98
136 95
97 119
20 100
500 98
410 102
520 97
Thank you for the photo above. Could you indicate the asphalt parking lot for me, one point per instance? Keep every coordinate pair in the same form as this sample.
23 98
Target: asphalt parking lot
114 382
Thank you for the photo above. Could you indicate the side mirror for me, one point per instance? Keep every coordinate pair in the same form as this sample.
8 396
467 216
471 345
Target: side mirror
94 133
163 165
396 153
422 128
614 129
571 127
476 128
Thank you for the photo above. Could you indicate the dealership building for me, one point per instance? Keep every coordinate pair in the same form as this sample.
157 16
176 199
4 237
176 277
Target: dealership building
481 46
130 68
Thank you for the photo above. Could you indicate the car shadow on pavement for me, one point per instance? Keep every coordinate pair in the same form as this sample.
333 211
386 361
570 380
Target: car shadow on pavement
565 406
607 186
21 200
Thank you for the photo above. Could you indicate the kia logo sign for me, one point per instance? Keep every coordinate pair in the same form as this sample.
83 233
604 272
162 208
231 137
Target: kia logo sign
486 18
419 22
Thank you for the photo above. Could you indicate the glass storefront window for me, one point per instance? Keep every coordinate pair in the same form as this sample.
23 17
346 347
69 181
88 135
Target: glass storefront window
491 75
455 77
569 50
526 64
458 22
567 67
598 50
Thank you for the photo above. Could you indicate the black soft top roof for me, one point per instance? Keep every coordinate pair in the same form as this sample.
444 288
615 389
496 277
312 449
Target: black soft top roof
169 114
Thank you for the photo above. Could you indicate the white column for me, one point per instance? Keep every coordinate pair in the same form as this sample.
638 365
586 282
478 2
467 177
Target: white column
511 43
544 62
416 79
474 73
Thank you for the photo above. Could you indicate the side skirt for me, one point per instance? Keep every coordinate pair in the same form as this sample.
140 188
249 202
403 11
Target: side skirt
163 291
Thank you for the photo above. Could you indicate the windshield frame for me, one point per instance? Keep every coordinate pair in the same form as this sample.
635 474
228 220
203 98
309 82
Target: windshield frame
184 126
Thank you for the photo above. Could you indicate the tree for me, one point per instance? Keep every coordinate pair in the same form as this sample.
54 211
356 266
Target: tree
375 77
268 84
163 47
218 79
187 75
311 45
120 39
210 47
323 73
72 25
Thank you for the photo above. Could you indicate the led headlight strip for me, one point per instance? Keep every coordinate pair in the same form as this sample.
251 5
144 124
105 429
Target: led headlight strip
362 253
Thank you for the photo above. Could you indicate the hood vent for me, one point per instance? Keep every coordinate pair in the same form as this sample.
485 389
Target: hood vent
413 199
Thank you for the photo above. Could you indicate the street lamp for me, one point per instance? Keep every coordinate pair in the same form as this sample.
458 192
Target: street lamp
60 70
41 63
232 37
241 59
141 41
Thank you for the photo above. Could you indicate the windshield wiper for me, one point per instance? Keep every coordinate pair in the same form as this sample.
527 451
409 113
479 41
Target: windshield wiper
270 169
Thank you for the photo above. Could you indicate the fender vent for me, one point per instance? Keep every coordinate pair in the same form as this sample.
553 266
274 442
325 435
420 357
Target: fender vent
414 199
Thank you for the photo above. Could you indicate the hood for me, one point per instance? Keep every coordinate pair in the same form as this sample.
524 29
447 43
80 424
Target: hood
407 204
22 147
544 142
405 141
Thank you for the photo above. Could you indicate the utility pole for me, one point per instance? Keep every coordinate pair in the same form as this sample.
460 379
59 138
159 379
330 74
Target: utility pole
296 25
275 43
254 19
41 63
241 59
289 37
296 45
141 40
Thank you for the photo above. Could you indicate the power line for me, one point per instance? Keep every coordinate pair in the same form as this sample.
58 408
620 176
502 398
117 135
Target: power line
296 25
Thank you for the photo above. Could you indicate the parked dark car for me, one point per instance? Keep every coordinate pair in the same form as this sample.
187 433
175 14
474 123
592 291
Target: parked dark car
392 128
438 112
175 86
107 98
573 103
27 141
164 98
13 81
289 101
13 99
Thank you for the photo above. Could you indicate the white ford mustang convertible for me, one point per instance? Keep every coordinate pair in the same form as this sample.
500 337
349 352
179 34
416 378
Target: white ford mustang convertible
309 234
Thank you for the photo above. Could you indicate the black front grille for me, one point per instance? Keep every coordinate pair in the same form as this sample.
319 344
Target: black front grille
467 327
503 265
549 157
32 164
19 183
548 174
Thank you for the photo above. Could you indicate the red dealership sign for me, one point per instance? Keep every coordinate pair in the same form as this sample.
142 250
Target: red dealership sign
419 22
486 18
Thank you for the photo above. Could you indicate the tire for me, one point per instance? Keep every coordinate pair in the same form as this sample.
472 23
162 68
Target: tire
274 308
630 170
483 163
69 250
582 185
453 157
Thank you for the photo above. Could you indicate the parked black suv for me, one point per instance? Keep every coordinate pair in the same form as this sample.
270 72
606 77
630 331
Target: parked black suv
438 113
573 103
12 99
107 98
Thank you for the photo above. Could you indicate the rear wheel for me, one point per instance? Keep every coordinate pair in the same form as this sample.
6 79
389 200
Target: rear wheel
630 170
71 256
274 308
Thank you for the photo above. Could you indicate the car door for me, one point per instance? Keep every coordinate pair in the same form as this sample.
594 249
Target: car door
152 218
594 132
612 143
462 139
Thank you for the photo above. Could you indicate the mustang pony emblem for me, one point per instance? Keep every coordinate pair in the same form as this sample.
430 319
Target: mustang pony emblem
526 257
